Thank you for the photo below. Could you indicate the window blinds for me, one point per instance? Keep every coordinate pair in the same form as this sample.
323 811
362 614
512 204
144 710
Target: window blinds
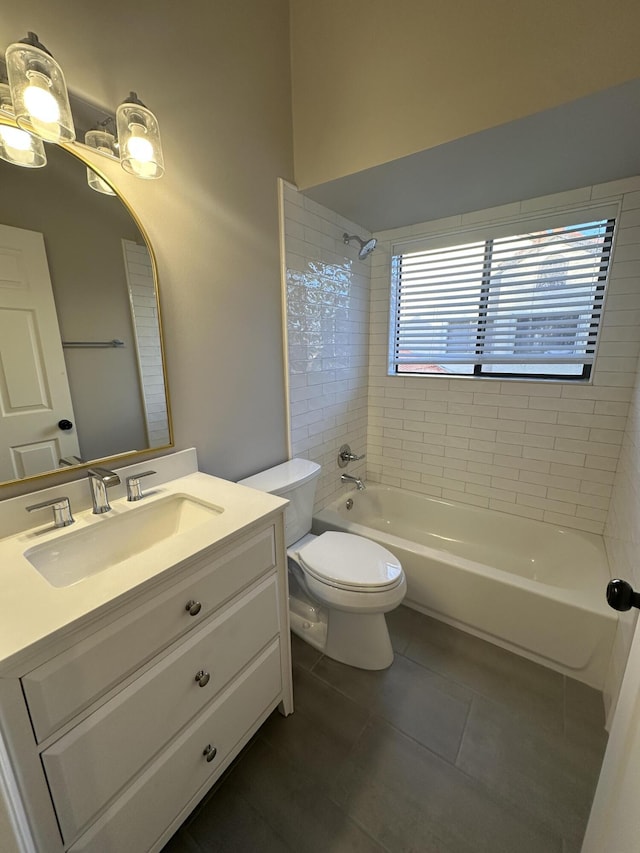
527 299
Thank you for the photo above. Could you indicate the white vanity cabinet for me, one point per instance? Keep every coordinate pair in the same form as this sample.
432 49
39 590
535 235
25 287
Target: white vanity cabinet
114 732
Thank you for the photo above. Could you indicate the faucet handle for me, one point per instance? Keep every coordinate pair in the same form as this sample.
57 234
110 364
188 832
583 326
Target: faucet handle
134 492
61 507
345 456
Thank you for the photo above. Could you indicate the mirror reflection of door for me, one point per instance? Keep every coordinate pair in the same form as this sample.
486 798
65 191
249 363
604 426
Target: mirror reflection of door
34 390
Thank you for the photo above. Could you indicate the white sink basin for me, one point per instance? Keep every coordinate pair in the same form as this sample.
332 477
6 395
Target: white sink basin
113 538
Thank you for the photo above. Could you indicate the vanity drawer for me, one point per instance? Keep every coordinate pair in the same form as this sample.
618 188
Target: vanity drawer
63 686
88 766
131 823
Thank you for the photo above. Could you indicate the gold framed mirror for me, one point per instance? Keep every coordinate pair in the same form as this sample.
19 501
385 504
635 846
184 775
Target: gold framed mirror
82 365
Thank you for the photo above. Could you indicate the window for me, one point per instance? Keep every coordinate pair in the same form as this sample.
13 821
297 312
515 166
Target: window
508 306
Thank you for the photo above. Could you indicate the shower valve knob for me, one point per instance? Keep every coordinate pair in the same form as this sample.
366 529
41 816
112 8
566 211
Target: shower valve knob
345 456
621 595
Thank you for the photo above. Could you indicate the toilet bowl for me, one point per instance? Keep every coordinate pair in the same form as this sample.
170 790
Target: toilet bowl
340 584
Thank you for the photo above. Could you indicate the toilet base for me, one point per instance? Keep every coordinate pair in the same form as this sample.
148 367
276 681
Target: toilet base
309 622
360 640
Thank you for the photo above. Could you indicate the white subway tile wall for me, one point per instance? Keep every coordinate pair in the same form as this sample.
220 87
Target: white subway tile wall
544 450
142 293
327 301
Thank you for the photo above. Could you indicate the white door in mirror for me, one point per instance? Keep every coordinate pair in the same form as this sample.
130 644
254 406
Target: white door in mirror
34 391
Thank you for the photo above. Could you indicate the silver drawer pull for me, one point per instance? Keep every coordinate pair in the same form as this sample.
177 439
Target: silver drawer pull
193 607
209 752
202 678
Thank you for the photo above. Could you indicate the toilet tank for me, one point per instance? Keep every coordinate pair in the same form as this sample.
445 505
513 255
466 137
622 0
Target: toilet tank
296 481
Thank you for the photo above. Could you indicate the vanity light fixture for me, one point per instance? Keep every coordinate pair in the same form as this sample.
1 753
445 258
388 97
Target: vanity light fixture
37 101
39 93
17 146
101 140
139 139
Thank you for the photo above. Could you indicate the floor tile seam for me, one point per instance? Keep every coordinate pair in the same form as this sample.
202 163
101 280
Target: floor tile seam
517 719
462 744
266 820
464 731
491 794
277 834
475 693
441 674
427 669
264 814
515 810
376 716
315 663
282 750
438 835
495 648
431 825
316 781
488 697
341 694
442 677
366 722
325 790
357 739
360 826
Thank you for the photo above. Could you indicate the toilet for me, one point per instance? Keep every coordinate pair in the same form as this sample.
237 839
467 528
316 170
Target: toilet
340 585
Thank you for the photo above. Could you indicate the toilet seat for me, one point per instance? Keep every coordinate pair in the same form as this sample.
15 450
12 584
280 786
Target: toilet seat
351 562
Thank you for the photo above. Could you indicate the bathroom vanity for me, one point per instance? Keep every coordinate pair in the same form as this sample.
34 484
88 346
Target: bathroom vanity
139 652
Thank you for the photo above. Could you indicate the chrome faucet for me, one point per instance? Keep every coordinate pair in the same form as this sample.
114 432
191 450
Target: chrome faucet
100 479
347 478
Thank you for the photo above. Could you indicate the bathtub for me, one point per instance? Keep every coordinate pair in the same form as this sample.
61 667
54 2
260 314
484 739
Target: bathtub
528 586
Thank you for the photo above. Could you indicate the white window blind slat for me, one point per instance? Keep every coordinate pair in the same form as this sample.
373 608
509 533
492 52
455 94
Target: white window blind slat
522 300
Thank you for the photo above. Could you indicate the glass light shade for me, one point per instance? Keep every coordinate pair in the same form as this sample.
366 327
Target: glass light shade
21 148
139 140
105 143
38 91
16 145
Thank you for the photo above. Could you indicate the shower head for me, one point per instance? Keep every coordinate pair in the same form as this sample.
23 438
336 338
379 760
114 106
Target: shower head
366 246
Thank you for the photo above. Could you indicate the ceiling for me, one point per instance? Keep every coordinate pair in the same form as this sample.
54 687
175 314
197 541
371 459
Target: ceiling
588 141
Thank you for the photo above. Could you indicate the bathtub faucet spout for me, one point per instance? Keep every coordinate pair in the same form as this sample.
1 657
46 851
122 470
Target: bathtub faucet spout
347 478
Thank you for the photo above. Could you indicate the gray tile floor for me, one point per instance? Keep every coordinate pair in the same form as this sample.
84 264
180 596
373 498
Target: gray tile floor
459 747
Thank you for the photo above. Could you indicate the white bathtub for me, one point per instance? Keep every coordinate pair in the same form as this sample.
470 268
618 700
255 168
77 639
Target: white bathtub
528 586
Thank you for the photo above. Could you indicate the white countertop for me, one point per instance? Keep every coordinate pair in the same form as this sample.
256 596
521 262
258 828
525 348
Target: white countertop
32 610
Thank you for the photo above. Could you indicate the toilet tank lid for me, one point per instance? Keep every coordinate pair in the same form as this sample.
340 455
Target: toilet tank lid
282 478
